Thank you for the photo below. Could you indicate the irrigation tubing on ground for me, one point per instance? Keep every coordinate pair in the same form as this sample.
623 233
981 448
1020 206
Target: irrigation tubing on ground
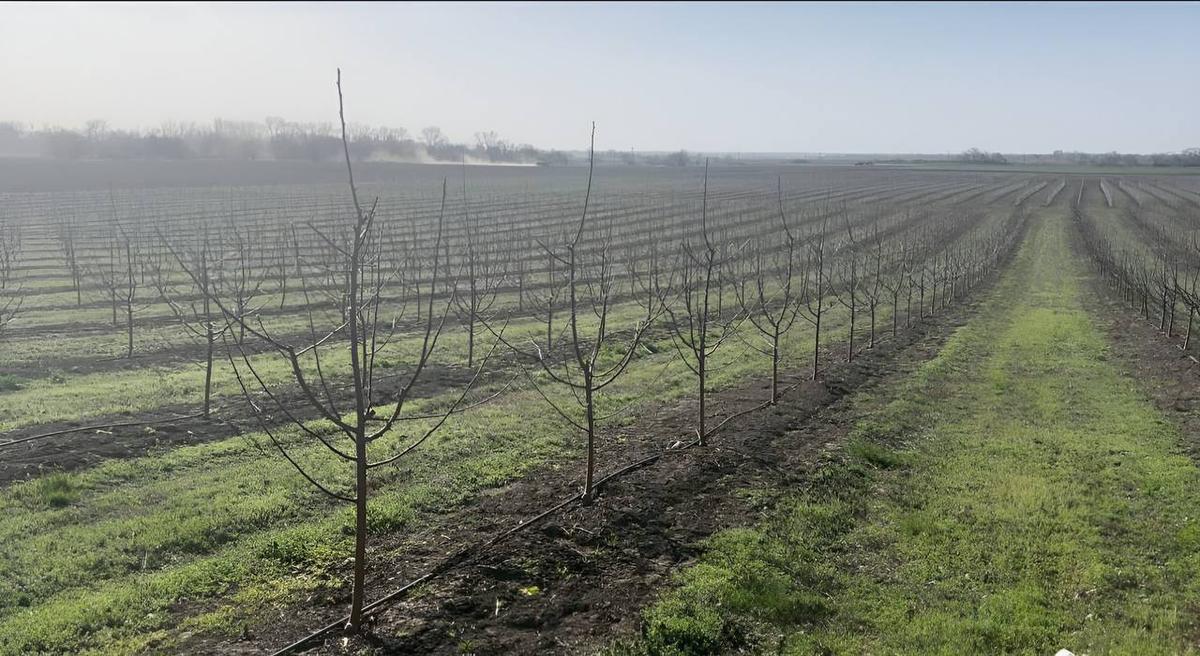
110 424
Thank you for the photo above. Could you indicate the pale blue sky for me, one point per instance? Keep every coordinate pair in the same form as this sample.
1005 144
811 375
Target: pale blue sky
769 77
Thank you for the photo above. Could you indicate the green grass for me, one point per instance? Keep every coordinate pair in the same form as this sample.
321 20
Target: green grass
1035 500
10 383
53 491
96 560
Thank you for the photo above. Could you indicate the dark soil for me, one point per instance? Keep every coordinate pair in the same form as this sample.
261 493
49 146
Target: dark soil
175 426
87 448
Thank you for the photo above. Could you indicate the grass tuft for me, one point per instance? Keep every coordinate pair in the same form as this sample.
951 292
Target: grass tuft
52 491
10 383
875 455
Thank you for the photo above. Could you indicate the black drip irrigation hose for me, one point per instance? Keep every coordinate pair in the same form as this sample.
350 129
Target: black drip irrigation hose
93 427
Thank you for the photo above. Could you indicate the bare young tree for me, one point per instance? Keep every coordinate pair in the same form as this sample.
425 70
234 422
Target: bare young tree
849 290
933 267
582 357
483 269
121 275
818 285
546 302
873 287
11 296
899 260
238 274
916 275
192 304
368 319
769 293
278 265
518 244
67 235
697 330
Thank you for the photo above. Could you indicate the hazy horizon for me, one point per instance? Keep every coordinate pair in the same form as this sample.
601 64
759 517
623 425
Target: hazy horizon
759 78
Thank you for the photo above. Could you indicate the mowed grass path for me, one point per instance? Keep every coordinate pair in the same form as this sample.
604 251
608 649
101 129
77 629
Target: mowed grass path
1017 494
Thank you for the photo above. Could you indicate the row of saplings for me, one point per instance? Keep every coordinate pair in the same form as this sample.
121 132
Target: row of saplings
777 279
1153 282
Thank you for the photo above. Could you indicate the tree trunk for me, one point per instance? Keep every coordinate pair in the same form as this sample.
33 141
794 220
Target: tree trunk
775 367
471 341
360 530
850 350
921 300
129 330
933 289
589 476
208 370
872 344
1171 321
1187 339
895 313
908 309
701 369
816 344
1162 313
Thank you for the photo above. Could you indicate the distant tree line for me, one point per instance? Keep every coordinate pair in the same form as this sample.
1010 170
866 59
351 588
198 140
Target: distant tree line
275 138
1186 157
677 158
279 139
977 156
